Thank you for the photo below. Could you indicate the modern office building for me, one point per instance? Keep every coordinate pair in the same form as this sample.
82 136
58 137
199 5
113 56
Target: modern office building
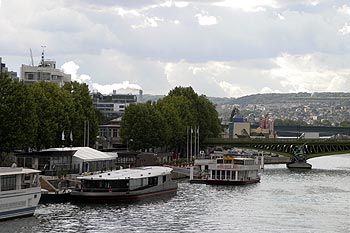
45 71
113 106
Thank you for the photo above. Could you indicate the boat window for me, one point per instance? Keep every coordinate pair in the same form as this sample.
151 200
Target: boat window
8 182
217 174
223 177
219 161
164 179
228 175
153 180
237 161
213 174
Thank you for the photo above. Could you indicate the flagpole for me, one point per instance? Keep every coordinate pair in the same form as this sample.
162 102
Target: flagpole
198 139
195 141
187 143
191 153
84 132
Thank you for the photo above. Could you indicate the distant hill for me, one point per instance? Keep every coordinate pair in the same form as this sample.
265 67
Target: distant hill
275 98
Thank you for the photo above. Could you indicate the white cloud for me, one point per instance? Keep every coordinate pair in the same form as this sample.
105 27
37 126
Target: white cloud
269 90
249 5
309 73
344 9
72 68
345 29
123 13
124 87
181 4
205 20
230 89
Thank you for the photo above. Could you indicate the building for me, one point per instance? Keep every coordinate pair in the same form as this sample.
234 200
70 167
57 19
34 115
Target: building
67 160
4 69
109 135
114 105
46 71
241 128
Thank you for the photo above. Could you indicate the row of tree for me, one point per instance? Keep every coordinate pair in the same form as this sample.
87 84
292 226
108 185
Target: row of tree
165 123
35 116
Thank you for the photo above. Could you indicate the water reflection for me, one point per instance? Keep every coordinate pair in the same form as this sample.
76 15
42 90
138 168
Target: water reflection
285 200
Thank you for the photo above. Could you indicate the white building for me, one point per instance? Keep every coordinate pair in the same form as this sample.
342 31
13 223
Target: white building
45 71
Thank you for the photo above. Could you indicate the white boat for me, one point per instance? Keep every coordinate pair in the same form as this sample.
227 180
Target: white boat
226 169
131 183
19 192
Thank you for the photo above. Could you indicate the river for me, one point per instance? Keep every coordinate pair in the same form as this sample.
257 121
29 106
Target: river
317 200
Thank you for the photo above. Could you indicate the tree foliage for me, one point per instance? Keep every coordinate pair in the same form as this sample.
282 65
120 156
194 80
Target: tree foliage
35 116
167 122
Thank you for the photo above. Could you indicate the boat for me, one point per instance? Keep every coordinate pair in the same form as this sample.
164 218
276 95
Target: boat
226 169
124 184
20 192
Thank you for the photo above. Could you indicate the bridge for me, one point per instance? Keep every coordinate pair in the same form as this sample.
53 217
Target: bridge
299 150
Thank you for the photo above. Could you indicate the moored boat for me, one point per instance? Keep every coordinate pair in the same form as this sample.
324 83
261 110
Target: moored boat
131 183
19 192
226 169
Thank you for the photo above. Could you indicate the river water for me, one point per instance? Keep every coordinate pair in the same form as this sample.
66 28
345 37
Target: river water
317 200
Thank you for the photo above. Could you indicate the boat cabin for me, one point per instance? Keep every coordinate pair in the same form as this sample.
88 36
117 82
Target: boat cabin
125 179
17 178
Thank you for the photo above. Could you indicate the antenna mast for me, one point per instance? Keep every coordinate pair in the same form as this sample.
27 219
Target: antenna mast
43 55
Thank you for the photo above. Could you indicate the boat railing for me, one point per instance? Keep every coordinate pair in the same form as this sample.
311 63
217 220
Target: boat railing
101 190
235 166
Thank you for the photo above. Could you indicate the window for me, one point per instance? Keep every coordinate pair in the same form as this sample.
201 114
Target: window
164 179
30 76
153 180
8 183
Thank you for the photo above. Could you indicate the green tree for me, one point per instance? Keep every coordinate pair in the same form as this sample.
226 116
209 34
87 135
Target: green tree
167 121
52 107
235 111
142 126
17 121
83 114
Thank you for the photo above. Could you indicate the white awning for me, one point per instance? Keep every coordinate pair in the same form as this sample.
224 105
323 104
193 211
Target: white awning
89 154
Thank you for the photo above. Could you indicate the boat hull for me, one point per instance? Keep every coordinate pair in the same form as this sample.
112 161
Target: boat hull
19 203
225 182
95 197
233 182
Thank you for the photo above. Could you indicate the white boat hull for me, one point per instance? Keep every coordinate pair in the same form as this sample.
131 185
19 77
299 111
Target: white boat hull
19 203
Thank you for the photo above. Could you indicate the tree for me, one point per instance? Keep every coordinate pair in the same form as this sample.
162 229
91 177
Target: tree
82 114
17 120
167 121
235 111
52 107
143 126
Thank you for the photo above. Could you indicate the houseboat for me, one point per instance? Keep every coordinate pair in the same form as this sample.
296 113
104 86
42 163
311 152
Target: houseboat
19 192
131 183
226 169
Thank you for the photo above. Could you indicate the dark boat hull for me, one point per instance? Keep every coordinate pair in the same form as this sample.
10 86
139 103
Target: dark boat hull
226 182
93 197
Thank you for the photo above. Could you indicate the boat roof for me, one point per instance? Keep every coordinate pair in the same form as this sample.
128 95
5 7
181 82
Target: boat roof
129 173
5 171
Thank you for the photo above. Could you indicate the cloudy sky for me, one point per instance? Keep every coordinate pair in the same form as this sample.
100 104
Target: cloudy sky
222 48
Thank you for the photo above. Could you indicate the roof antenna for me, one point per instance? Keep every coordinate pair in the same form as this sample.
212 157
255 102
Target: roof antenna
43 55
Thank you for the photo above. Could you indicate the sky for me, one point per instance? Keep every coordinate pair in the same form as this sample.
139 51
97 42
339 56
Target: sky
221 48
